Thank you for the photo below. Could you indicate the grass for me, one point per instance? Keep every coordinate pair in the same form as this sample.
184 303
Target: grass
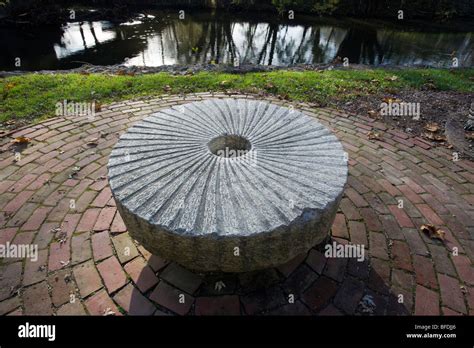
33 97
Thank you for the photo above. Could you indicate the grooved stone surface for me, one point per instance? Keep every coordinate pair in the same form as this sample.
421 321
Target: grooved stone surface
186 203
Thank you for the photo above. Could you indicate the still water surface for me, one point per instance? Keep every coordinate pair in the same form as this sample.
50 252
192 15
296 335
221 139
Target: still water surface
158 38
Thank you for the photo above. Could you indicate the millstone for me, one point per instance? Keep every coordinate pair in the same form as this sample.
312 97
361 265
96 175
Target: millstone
228 185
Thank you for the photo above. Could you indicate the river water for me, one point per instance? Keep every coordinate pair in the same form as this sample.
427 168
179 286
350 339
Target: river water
158 38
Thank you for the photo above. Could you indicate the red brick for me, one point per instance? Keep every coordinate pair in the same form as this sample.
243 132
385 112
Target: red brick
409 194
358 233
464 268
430 215
103 197
35 271
7 234
451 294
449 312
141 274
336 268
133 302
402 218
100 303
39 182
425 273
60 210
118 224
83 202
35 220
413 185
356 198
36 300
5 184
105 219
17 202
22 183
10 279
74 308
401 255
426 301
349 295
330 310
80 188
222 305
176 300
9 305
44 236
291 265
378 245
69 224
371 219
87 278
320 293
80 248
58 256
125 248
112 273
101 246
88 220
62 287
349 210
392 190
339 227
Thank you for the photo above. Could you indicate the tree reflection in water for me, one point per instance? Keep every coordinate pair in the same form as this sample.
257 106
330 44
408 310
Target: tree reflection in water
223 38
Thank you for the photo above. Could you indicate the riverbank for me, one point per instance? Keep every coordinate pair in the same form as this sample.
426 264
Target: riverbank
35 11
442 94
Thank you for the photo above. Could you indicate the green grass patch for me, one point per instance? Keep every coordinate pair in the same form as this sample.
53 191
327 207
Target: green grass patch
34 96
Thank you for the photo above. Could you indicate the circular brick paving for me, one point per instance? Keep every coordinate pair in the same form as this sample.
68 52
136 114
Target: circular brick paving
56 196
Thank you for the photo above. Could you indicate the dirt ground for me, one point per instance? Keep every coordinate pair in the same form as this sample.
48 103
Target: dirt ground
436 109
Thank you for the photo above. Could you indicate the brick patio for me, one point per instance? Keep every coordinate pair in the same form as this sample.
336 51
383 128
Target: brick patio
92 260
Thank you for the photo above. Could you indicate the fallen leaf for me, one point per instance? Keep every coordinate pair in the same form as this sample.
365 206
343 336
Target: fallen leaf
93 142
56 229
64 263
433 232
430 86
373 135
108 312
97 107
21 140
390 100
432 127
392 78
367 304
219 285
9 86
434 137
269 85
373 113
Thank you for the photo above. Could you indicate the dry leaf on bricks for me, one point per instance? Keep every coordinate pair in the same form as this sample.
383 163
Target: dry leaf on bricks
432 127
433 232
373 135
21 140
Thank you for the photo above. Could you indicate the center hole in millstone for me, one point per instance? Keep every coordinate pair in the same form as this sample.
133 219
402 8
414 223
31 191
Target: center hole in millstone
229 145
